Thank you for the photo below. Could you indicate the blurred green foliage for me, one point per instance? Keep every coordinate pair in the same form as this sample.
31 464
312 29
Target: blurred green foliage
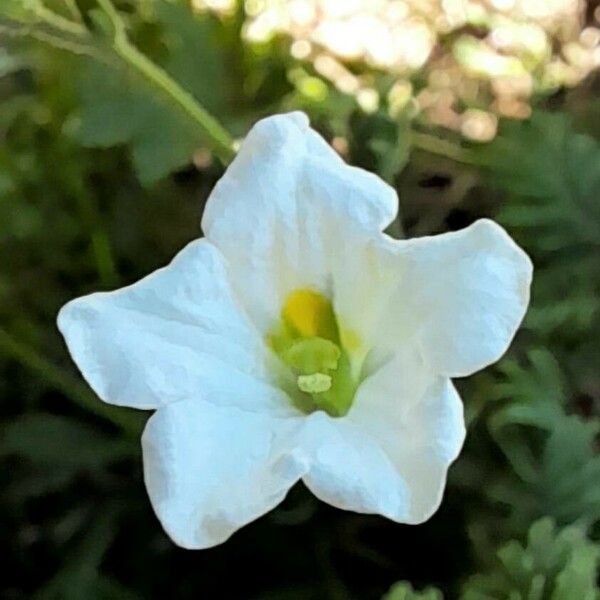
405 591
556 565
103 179
117 107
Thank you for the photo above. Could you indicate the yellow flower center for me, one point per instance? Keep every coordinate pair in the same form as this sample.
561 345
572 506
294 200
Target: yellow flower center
309 314
308 341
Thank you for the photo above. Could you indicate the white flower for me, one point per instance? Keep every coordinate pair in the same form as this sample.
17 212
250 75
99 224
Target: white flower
297 341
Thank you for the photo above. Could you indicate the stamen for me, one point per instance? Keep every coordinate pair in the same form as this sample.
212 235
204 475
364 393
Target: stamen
311 343
312 355
317 383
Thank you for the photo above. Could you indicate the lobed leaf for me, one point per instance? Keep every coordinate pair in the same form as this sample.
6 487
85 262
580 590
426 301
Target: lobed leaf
553 565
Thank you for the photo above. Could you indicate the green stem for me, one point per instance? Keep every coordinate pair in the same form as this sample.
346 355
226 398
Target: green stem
74 10
220 140
61 42
436 145
104 257
57 21
101 248
72 388
100 243
212 131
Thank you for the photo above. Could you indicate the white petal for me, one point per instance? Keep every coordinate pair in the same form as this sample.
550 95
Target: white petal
417 419
468 291
458 297
176 334
390 455
283 209
210 470
349 469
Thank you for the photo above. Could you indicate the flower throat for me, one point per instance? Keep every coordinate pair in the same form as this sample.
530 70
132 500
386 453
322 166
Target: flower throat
308 341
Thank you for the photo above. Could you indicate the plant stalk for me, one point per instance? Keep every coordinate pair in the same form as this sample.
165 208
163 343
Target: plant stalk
218 137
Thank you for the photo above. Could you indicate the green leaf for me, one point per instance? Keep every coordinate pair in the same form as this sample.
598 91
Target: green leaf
195 53
59 442
80 578
536 393
392 149
404 591
546 162
565 294
560 478
553 565
386 140
15 9
118 107
9 63
551 174
556 469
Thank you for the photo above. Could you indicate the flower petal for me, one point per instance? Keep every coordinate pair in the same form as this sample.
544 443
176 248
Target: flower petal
418 420
210 470
281 209
176 334
458 297
468 291
350 470
390 455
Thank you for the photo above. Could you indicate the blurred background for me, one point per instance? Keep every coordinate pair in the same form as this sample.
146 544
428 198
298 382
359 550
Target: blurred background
469 108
